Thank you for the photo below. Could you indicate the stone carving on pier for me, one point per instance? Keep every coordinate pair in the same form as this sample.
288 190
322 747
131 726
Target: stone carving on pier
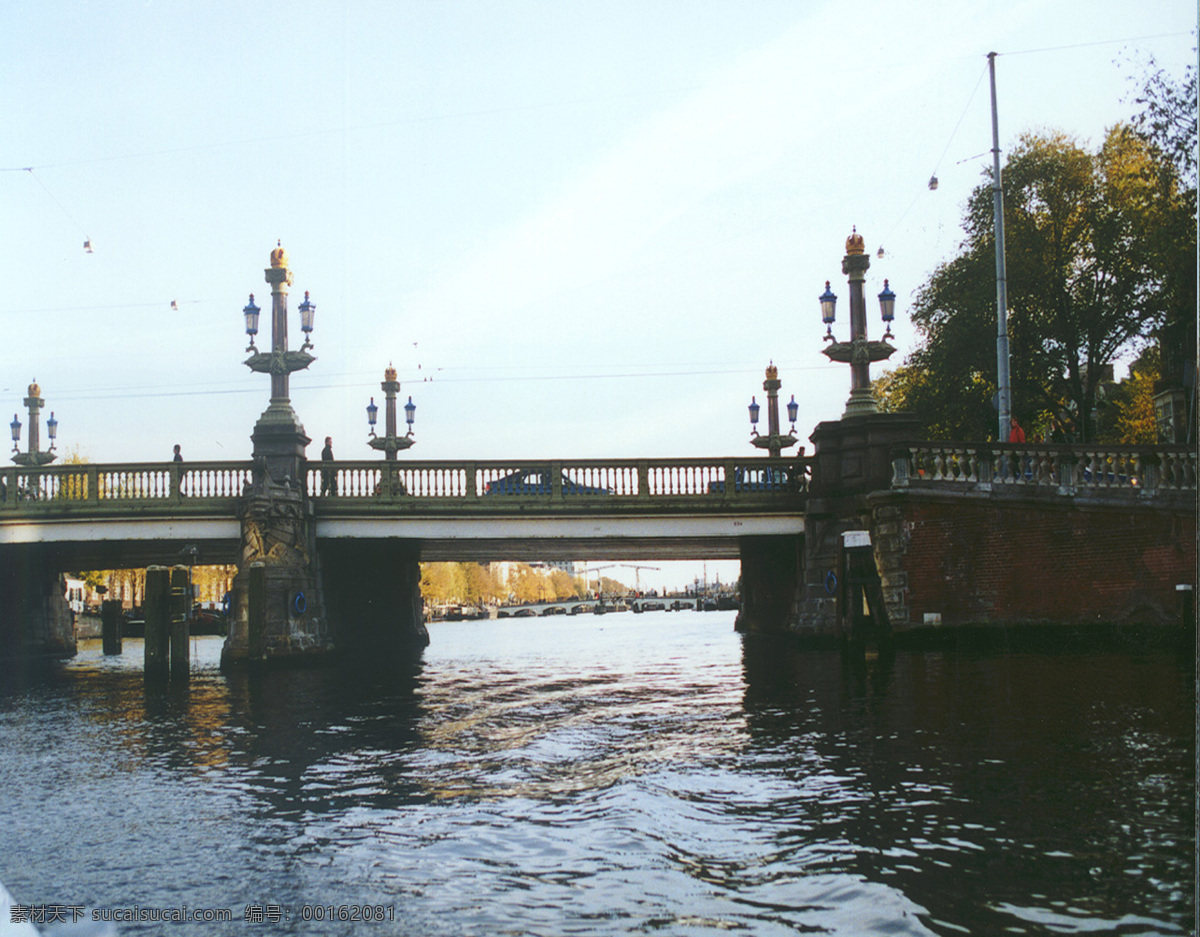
277 535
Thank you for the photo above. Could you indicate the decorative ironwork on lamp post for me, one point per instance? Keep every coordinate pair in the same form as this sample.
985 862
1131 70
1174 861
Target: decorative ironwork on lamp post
390 443
34 457
279 362
859 353
774 442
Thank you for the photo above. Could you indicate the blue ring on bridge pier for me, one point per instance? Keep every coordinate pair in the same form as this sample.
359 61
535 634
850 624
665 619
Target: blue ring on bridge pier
300 603
830 582
226 603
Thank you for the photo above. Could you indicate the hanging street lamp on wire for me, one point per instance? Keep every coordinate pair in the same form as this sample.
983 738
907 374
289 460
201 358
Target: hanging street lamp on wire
859 353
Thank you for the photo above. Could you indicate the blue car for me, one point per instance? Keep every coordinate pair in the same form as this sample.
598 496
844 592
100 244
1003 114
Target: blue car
755 479
536 481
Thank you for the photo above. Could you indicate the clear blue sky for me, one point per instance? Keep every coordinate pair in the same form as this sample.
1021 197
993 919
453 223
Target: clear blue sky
577 229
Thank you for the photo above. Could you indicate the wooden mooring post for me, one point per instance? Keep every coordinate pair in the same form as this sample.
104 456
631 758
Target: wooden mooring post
181 601
256 611
110 625
158 616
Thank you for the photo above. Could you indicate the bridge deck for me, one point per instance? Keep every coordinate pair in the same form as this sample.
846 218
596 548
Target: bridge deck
137 513
665 508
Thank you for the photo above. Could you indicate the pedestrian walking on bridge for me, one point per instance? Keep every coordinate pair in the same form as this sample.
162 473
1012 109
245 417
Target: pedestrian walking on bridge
328 473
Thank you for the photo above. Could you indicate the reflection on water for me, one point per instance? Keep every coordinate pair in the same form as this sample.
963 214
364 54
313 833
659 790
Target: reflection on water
647 773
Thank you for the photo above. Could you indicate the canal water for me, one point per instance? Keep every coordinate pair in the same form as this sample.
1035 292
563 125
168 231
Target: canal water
625 774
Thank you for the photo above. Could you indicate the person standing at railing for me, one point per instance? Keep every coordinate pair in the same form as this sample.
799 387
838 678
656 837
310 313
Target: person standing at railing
178 457
1016 436
328 473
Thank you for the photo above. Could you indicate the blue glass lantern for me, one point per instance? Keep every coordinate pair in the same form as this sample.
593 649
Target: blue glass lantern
15 426
372 414
410 413
754 408
793 409
307 311
250 311
52 428
828 306
887 306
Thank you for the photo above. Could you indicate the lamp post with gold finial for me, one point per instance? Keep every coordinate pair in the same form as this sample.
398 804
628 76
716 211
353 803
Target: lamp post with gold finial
279 362
278 607
774 442
859 353
390 443
34 456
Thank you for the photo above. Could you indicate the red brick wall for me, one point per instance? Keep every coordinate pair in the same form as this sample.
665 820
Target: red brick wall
1005 561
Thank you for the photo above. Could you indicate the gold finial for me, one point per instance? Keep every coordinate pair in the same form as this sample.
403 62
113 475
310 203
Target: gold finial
772 372
279 257
854 243
34 390
390 373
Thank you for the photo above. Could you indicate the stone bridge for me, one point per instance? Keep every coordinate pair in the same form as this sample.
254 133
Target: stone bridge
869 538
358 528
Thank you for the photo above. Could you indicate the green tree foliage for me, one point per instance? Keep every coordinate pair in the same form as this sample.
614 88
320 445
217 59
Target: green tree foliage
1167 116
1088 279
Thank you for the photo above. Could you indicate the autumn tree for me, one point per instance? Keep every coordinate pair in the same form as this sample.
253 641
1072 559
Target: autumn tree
1088 280
525 584
442 583
562 586
1127 416
480 585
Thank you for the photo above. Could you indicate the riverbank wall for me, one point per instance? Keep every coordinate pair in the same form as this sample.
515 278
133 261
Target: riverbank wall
947 561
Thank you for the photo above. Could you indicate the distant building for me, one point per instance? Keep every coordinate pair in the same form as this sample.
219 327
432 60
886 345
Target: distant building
76 592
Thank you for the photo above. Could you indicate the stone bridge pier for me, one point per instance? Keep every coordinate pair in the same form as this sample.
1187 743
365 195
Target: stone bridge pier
278 610
291 601
772 580
373 594
35 620
819 585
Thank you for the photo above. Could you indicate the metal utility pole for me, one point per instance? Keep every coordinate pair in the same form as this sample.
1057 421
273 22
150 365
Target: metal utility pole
1004 391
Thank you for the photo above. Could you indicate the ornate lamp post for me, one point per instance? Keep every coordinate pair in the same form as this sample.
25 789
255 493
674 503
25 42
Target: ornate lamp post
390 443
279 362
859 353
774 442
278 602
34 457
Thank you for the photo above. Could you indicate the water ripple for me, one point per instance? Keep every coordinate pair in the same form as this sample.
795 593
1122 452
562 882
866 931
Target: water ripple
655 775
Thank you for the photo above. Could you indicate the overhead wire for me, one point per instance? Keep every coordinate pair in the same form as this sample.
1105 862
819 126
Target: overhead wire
483 112
975 91
143 392
45 188
1098 42
933 176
